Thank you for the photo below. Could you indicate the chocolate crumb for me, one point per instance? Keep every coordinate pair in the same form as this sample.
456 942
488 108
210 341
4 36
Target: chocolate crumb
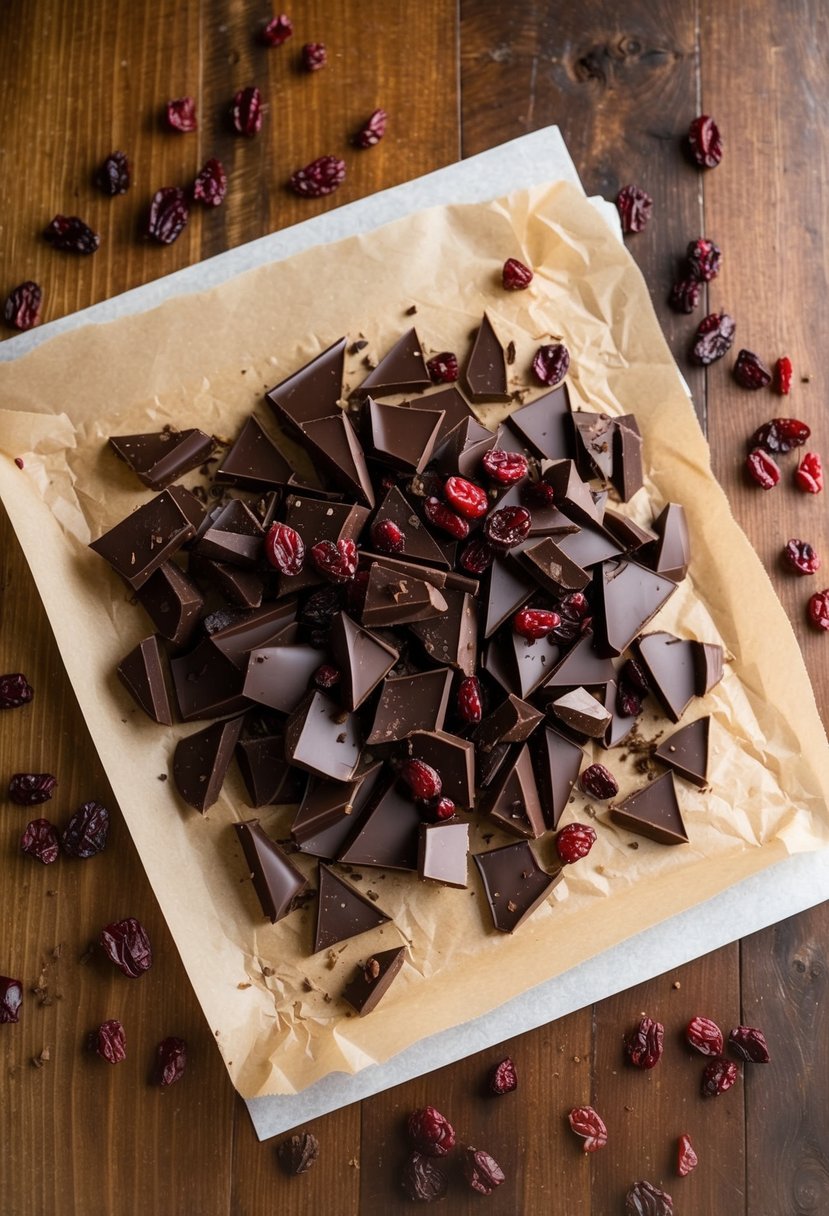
267 971
411 310
633 844
510 353
243 986
356 346
44 1057
372 895
162 776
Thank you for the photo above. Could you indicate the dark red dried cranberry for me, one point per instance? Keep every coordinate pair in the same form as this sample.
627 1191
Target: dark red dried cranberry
704 1036
435 810
628 702
645 1199
588 1123
387 537
704 259
598 782
30 789
783 375
71 234
210 187
22 307
468 500
113 175
507 527
643 1046
170 1061
285 549
749 1043
168 216
574 606
780 435
537 494
505 468
40 840
423 781
181 114
762 469
87 831
127 945
809 473
705 142
298 1153
431 1132
476 557
750 371
372 130
801 557
574 842
718 1076
551 364
685 295
336 561
321 177
443 368
246 111
634 206
534 623
314 56
714 337
818 609
503 1078
444 518
515 276
110 1042
278 30
481 1171
326 676
422 1179
11 998
321 607
469 703
686 1157
15 690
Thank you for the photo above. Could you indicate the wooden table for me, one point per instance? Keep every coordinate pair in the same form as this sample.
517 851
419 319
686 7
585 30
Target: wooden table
79 79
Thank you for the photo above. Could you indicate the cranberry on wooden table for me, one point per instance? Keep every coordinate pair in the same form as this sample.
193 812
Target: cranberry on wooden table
780 435
686 1157
40 840
87 831
801 556
278 30
634 206
783 375
210 186
431 1132
15 690
704 259
809 473
644 1045
297 1153
762 469
481 1171
589 1125
181 114
504 1078
715 334
750 371
170 1061
422 1178
22 307
372 130
168 216
11 998
818 609
704 1036
322 176
127 945
685 295
645 1199
314 56
112 176
718 1076
110 1041
246 112
30 789
749 1043
705 142
70 234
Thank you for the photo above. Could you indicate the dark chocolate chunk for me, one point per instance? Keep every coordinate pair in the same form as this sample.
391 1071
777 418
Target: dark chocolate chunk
201 761
485 373
572 495
673 549
190 506
235 536
436 578
255 460
248 631
514 883
512 722
669 662
453 406
686 751
507 588
407 703
546 520
362 658
140 543
589 546
708 666
451 639
371 979
403 436
626 531
628 596
401 370
443 853
388 832
207 683
552 569
557 761
393 598
268 779
464 447
418 543
454 759
594 444
513 799
312 392
142 674
322 738
530 662
627 475
173 603
581 665
243 588
275 878
333 445
544 425
159 457
342 911
581 712
330 810
652 811
279 676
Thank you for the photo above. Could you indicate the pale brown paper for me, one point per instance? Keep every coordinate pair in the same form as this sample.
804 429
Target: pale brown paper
205 360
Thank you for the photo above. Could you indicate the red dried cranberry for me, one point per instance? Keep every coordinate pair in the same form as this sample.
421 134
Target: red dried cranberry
482 1172
423 781
628 702
336 561
645 1199
588 1123
574 842
686 1157
515 276
30 789
783 375
22 307
15 690
503 1078
780 435
704 259
443 368
110 1042
469 703
431 1132
634 206
326 676
422 1179
71 234
598 782
705 1036
469 500
809 473
314 56
444 518
87 831
387 537
537 494
818 609
113 175
170 1061
40 840
507 527
321 607
750 371
705 142
127 945
643 1046
210 187
574 606
476 557
435 810
534 623
551 364
285 549
321 177
801 557
714 337
718 1076
181 114
372 130
505 468
246 111
278 30
298 1153
685 295
168 216
762 469
11 998
749 1043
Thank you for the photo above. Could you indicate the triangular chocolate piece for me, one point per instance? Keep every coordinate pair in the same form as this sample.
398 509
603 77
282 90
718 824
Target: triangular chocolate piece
402 436
244 588
207 683
594 444
401 370
532 661
451 403
142 673
279 676
514 883
673 549
329 812
552 569
627 475
255 460
321 738
276 879
388 833
581 712
234 535
268 779
572 495
372 979
201 761
342 911
464 448
141 542
669 662
248 631
653 812
393 598
363 660
485 373
158 458
557 761
544 425
581 665
443 853
452 757
626 531
708 666
173 603
513 800
497 662
628 596
418 544
407 703
451 639
333 443
686 751
313 391
589 546
512 722
507 588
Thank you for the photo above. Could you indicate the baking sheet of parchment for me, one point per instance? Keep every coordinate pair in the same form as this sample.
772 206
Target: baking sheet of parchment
205 361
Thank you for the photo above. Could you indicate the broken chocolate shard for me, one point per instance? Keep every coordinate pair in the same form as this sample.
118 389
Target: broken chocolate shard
673 548
514 884
234 536
408 703
507 588
544 425
247 631
653 812
418 544
557 761
333 445
342 912
276 879
485 373
362 658
401 370
513 800
552 569
581 712
372 979
142 674
244 588
630 535
572 495
580 665
207 683
669 662
201 761
402 436
443 853
388 832
173 603
628 597
322 738
589 546
279 676
512 722
311 392
594 444
627 476
546 520
464 448
393 598
268 779
144 540
330 811
451 639
158 458
255 461
530 662
708 666
686 751
452 757
451 404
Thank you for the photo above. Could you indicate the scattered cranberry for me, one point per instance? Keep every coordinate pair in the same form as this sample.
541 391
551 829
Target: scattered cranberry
30 789
444 518
704 259
482 1172
168 216
801 557
749 1043
422 1179
246 111
818 608
628 702
431 1132
423 781
110 1042
705 142
588 1123
715 335
718 1076
285 549
643 1046
780 435
438 809
11 998
645 1199
783 375
551 364
387 537
503 1078
469 702
314 56
505 468
181 114
15 690
326 676
515 276
373 130
750 371
210 187
443 368
534 623
113 175
87 831
809 473
298 1153
634 206
468 500
686 1157
170 1061
685 295
18 460
321 177
476 557
22 307
336 561
705 1036
278 30
321 607
598 782
762 469
508 527
127 945
537 494
40 840
574 842
70 234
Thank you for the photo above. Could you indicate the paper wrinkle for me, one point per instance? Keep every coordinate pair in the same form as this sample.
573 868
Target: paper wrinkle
213 355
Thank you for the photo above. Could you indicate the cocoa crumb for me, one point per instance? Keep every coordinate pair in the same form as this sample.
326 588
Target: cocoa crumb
267 971
510 353
43 1058
162 776
243 986
372 895
511 905
411 310
633 844
356 346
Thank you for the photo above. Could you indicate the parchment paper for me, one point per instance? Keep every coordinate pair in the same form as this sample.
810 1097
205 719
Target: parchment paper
205 361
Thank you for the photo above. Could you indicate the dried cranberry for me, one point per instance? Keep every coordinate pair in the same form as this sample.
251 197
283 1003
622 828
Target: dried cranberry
634 206
762 469
505 468
801 557
598 782
469 703
645 1199
423 781
469 500
705 1036
246 111
704 259
780 435
482 1172
685 295
705 142
628 702
210 186
749 1043
22 307
422 1179
443 368
321 177
285 549
71 234
534 623
321 607
750 371
181 114
714 337
574 606
686 1157
437 809
336 561
588 1123
574 842
809 473
537 494
507 527
643 1046
11 998
503 1078
476 557
718 1076
110 1042
87 831
818 609
444 518
113 175
372 130
431 1132
15 690
387 537
170 1061
326 676
783 375
127 945
30 789
278 30
40 840
551 364
515 276
298 1153
168 216
314 56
